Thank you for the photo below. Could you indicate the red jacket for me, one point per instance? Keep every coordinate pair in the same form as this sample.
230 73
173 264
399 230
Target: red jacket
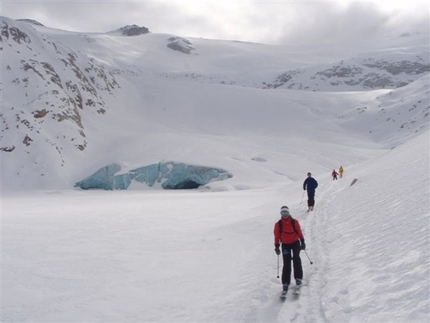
288 235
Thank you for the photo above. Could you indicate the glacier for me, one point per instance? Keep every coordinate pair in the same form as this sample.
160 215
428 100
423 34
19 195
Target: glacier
171 175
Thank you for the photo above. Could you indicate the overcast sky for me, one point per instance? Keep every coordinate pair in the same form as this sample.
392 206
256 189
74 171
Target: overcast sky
269 22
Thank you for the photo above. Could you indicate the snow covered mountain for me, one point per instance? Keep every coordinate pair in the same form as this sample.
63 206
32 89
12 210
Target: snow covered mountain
69 98
359 74
76 103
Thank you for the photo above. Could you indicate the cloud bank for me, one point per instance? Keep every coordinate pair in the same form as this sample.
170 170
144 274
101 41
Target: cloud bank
275 22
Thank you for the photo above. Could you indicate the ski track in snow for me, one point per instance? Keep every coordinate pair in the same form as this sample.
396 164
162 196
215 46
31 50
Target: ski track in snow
309 306
317 224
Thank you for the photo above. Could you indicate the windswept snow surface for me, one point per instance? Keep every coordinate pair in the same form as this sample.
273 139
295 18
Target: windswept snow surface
202 256
206 255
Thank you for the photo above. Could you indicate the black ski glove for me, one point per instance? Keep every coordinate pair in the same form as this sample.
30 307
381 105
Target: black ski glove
302 244
278 252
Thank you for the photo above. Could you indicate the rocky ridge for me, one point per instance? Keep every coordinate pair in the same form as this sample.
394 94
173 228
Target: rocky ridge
363 74
61 89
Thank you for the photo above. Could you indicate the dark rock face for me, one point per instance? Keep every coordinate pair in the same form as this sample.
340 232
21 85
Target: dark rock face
134 30
180 44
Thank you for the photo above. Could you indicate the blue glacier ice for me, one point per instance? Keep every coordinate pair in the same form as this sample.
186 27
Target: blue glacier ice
171 175
103 178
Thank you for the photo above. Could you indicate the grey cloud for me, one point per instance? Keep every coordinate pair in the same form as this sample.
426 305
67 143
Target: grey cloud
328 23
296 23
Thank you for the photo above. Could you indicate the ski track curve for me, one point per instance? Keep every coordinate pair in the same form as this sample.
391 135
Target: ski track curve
311 306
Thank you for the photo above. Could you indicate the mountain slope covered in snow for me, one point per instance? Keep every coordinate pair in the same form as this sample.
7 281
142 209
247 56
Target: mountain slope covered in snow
74 103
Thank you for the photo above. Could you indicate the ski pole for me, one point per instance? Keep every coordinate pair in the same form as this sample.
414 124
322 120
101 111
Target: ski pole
308 257
278 269
303 195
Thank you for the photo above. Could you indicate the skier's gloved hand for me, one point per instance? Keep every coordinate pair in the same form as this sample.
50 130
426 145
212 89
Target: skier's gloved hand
302 244
278 252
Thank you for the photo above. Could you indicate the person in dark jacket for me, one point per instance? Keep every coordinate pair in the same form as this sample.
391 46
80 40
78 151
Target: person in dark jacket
310 184
289 237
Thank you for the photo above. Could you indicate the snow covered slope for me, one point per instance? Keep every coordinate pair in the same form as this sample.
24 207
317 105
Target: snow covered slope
196 256
73 103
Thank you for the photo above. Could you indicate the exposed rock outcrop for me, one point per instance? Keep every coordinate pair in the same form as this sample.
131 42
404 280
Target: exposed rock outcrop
133 30
180 44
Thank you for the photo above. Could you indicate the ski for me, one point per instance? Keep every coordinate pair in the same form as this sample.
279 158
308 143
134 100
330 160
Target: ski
296 291
284 295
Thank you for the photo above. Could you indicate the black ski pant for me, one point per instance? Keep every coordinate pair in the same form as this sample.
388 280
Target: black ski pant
311 198
291 251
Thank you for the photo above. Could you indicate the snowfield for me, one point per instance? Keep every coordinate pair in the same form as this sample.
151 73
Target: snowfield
201 256
207 255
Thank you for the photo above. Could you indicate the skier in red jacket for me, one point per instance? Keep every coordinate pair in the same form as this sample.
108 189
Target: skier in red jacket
334 174
289 237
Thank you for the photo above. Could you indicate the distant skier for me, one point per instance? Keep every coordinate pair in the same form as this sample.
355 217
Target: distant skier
340 172
310 184
289 237
334 174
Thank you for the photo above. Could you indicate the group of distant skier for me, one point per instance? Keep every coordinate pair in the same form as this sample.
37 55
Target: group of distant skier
289 239
334 173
